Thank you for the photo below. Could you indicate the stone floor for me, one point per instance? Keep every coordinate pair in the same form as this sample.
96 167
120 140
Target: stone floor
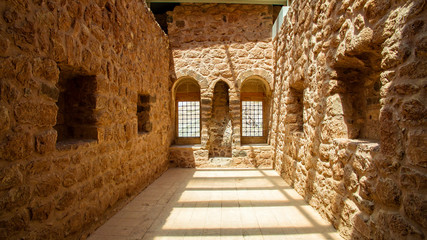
217 204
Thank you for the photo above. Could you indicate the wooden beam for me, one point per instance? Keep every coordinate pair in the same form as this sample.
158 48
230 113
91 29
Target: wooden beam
267 2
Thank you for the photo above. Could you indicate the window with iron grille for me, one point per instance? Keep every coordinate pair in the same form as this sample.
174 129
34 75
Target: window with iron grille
188 119
252 124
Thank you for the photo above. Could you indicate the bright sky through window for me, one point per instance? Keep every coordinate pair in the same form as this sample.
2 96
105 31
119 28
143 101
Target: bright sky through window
189 119
252 118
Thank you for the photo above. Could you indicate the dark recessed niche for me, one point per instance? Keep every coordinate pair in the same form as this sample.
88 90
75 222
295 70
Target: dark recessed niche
296 110
143 113
361 99
76 105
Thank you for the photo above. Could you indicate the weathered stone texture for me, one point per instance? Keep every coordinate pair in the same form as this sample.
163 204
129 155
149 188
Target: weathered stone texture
348 126
220 41
251 156
55 189
216 44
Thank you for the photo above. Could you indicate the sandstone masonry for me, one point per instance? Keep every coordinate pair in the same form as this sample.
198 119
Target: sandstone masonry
88 114
72 73
221 44
349 121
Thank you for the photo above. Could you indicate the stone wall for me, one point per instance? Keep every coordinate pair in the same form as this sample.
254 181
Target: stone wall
248 156
349 113
72 73
220 42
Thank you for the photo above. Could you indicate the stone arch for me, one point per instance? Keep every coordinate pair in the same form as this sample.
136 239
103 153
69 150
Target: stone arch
180 80
231 88
190 91
259 73
188 73
260 79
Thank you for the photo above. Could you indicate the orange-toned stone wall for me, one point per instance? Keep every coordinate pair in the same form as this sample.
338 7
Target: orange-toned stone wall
349 113
63 191
220 42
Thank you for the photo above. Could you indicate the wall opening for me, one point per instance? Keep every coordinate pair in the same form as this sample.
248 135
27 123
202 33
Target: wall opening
220 127
76 104
187 105
295 110
361 99
160 13
143 113
254 111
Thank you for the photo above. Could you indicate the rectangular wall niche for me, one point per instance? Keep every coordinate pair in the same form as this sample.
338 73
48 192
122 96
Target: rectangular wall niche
295 110
360 74
76 105
143 113
362 109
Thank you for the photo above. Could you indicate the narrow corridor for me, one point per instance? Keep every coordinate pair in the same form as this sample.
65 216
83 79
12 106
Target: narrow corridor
217 204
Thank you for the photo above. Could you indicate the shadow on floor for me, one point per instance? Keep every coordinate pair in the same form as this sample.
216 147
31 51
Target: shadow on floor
217 204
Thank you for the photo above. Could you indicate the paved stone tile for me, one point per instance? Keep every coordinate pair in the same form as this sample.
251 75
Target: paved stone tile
241 204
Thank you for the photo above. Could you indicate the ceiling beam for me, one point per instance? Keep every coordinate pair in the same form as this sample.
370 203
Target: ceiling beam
268 2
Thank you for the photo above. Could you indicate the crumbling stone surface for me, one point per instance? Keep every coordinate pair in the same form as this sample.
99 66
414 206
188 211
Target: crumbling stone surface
348 126
54 188
220 44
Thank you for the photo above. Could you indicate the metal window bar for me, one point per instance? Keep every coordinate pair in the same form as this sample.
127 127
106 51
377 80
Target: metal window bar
188 119
252 119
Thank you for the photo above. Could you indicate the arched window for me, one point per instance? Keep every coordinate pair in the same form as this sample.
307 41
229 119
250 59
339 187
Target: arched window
187 100
254 111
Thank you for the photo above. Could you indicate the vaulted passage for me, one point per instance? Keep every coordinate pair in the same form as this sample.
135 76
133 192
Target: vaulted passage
228 100
217 204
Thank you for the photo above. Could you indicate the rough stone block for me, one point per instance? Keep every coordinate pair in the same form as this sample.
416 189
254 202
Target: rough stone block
350 178
362 162
50 91
415 207
10 176
338 170
412 179
74 223
417 147
414 109
388 192
69 177
41 210
46 141
48 185
325 151
363 204
19 144
398 226
46 69
38 167
4 119
18 220
413 70
334 105
15 197
43 115
65 200
361 223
